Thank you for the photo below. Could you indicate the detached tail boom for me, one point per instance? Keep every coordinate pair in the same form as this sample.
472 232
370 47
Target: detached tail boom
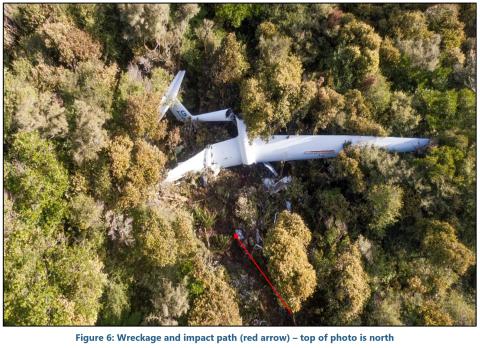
170 102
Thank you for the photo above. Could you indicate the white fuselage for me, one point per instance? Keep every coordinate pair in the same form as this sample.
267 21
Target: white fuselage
240 150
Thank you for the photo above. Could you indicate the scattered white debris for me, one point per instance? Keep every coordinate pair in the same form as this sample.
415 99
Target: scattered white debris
239 233
275 186
258 238
270 168
288 206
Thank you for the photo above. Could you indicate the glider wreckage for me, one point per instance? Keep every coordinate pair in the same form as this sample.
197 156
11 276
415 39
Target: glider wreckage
242 150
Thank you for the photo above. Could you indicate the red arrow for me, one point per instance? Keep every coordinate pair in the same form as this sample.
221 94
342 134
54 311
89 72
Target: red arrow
235 236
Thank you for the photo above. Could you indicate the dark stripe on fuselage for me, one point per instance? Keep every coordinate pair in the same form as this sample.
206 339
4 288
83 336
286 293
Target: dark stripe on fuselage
320 152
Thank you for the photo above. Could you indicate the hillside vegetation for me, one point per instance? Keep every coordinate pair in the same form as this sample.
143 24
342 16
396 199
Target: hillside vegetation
91 237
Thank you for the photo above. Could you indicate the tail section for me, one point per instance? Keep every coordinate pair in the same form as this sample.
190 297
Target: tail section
215 116
170 97
170 101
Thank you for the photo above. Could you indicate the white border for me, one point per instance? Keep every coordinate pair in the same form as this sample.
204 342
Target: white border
61 337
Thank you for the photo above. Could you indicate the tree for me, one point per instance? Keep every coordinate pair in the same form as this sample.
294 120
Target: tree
315 24
286 248
155 33
256 108
230 61
441 179
25 275
350 290
30 17
439 108
9 215
94 82
422 53
37 180
169 304
400 117
468 17
359 117
138 103
141 116
444 19
115 301
333 204
385 202
460 308
441 163
91 81
346 168
89 136
119 150
433 315
217 304
466 73
378 165
27 109
356 55
119 228
351 111
155 236
411 35
330 111
136 167
234 14
271 97
185 235
68 44
60 282
145 22
25 271
386 310
466 105
85 214
377 94
408 25
78 271
444 249
146 168
164 235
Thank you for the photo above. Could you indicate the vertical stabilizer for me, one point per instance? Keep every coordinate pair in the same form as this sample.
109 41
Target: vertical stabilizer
180 112
170 97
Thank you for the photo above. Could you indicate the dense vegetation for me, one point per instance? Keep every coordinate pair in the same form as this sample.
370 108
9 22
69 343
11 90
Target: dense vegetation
372 238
